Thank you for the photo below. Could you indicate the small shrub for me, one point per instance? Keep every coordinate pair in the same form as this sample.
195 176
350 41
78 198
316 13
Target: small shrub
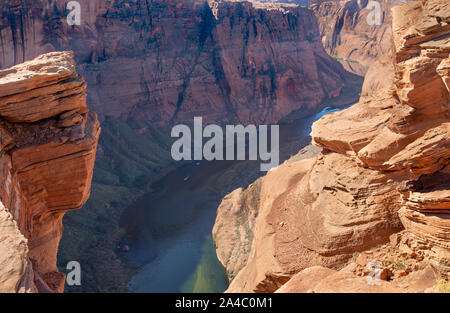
400 265
443 286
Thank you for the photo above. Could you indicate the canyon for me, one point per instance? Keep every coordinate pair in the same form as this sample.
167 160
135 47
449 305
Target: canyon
151 64
377 190
373 185
179 60
48 145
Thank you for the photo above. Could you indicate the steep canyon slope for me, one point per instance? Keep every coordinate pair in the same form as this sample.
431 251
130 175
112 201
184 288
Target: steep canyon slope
377 191
48 145
354 31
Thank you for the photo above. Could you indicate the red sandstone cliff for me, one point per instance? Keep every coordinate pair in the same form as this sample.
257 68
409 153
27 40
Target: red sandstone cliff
346 28
48 140
167 61
379 190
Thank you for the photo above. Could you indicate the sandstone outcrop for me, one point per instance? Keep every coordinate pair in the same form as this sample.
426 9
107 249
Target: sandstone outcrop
306 280
379 188
16 274
46 167
248 64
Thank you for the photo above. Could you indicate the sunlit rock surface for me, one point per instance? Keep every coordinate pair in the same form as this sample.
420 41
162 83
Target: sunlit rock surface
48 144
379 190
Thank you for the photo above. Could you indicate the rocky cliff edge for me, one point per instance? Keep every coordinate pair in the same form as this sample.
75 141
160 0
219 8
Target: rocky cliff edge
377 191
48 141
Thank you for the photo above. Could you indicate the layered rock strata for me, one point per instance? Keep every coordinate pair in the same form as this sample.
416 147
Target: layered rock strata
379 190
356 32
166 61
48 142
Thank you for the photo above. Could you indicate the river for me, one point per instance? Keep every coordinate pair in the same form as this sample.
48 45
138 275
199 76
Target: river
169 229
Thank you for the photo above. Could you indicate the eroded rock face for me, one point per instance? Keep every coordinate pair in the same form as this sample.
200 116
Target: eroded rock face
46 168
380 186
166 61
15 268
352 32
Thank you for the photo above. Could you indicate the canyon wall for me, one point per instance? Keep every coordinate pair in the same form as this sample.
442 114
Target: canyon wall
178 60
378 190
48 141
353 33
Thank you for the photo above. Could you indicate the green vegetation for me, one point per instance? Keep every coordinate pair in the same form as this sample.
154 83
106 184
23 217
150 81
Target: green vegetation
344 59
443 286
128 159
129 156
400 265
